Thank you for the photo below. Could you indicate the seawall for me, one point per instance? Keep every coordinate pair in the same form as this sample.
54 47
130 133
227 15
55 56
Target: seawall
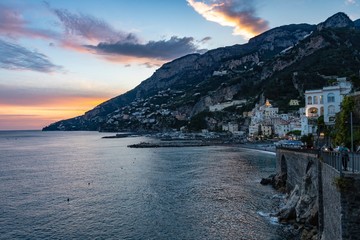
322 195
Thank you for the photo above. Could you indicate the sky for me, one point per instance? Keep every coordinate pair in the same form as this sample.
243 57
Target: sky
61 58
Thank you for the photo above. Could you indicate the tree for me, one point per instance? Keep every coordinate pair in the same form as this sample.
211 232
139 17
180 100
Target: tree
308 140
198 121
342 123
296 133
323 128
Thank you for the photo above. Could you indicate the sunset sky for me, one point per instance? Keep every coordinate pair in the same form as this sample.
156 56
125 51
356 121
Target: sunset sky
60 58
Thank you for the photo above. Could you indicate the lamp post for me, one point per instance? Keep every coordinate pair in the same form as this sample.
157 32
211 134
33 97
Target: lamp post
351 132
352 142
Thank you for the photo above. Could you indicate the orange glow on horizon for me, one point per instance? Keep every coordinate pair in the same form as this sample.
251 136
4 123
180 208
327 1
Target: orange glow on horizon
14 117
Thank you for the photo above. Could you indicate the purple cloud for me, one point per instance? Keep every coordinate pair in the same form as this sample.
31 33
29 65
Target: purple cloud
90 28
113 42
13 25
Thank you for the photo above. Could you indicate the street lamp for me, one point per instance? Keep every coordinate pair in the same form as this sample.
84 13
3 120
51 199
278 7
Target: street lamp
352 141
351 132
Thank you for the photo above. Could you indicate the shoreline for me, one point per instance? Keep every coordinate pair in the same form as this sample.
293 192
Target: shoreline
261 147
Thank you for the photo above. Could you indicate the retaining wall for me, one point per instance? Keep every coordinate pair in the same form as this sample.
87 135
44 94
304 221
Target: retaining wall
338 196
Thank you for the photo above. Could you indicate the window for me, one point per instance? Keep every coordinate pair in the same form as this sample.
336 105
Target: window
331 109
313 112
309 100
330 98
315 100
321 99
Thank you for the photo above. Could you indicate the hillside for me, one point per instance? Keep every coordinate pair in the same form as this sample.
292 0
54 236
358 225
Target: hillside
278 64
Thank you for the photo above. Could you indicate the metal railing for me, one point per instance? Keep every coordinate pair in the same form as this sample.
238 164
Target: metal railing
335 159
332 158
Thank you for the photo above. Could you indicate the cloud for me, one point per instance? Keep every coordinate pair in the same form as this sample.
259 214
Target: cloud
13 25
239 14
86 32
350 2
90 28
205 40
161 50
16 57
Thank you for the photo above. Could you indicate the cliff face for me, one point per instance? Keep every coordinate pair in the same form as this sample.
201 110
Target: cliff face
339 20
189 85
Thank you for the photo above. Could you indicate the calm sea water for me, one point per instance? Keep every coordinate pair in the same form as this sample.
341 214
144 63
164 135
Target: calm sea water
76 185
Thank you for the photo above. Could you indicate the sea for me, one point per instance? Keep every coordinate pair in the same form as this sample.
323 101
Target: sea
77 185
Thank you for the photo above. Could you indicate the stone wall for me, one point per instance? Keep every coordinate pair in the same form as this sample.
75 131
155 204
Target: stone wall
296 164
330 208
337 198
350 203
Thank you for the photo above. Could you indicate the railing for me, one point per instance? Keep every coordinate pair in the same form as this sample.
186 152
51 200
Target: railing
335 160
332 158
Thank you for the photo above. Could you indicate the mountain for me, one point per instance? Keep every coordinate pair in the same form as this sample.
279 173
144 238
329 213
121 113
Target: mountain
357 23
278 64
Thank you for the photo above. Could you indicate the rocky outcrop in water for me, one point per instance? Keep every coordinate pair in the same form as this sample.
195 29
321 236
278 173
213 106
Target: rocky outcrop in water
301 204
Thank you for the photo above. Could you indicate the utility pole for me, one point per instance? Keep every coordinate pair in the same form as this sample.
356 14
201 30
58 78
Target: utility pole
351 132
352 141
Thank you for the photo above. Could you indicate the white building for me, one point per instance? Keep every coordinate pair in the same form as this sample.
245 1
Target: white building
282 128
253 129
219 73
222 106
324 102
294 102
231 127
266 130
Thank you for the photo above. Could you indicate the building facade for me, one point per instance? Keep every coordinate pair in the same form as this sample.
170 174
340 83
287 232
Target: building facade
323 102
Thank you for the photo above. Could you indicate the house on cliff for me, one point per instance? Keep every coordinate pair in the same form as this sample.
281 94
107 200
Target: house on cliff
323 102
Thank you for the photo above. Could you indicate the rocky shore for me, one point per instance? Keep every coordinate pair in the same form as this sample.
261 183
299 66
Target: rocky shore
300 208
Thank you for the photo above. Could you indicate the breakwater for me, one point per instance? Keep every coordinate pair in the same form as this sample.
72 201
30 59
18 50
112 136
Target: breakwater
321 194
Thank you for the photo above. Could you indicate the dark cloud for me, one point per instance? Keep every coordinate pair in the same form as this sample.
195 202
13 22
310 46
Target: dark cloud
205 39
16 57
82 32
109 41
162 50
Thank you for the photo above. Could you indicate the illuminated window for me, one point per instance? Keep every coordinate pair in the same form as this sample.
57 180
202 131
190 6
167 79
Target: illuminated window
313 112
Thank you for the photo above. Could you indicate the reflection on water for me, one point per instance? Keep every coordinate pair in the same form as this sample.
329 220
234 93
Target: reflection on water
117 192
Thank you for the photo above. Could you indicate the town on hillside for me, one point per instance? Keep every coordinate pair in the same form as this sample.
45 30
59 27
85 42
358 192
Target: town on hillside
262 123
